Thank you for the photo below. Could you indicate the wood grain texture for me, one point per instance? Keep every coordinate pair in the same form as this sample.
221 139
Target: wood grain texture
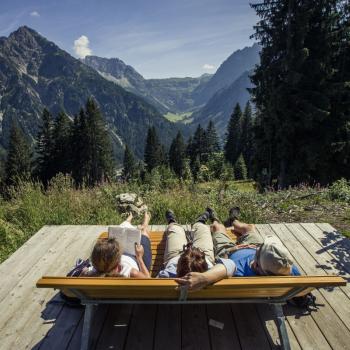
37 318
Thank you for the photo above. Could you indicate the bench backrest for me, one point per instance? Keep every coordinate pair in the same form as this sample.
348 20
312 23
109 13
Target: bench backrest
165 289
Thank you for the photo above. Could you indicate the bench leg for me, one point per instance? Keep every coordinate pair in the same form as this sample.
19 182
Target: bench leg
282 330
85 337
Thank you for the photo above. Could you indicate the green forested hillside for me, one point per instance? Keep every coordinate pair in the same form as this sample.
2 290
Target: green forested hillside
35 73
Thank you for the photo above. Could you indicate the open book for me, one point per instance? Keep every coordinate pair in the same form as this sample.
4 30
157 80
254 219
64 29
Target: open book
126 236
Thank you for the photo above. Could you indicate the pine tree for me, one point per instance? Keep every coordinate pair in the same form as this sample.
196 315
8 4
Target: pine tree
233 146
61 148
177 155
154 152
18 162
294 88
211 139
129 165
339 146
189 148
44 148
92 156
80 148
240 168
199 144
99 159
247 142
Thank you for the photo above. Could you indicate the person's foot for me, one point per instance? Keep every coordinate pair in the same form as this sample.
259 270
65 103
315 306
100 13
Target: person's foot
170 216
146 218
203 218
212 214
232 216
130 217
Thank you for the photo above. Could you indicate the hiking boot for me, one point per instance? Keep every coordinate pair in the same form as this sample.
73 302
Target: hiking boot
232 216
204 217
170 216
212 214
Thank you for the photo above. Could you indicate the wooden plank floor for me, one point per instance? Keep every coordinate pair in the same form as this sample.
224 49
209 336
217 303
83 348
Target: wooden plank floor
32 318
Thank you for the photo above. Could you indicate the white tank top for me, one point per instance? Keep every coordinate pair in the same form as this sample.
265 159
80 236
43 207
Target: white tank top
127 263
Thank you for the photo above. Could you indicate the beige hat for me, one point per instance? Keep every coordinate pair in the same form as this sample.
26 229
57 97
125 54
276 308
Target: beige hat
273 258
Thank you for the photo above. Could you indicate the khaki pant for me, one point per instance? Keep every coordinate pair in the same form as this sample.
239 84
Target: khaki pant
176 239
223 244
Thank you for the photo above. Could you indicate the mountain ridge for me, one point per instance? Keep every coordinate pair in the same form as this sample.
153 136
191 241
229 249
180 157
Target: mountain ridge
35 73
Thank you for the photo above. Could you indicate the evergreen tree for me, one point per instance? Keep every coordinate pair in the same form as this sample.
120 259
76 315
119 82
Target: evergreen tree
233 146
240 168
18 163
177 155
92 152
129 165
154 151
211 139
61 148
44 148
199 144
339 128
80 154
189 148
294 88
247 136
99 158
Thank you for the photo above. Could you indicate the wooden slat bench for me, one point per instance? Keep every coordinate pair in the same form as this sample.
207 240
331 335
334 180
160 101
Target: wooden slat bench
274 290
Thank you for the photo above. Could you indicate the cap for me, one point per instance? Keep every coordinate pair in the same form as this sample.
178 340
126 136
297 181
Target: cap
273 258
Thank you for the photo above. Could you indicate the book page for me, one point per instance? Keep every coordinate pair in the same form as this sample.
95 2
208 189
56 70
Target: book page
127 237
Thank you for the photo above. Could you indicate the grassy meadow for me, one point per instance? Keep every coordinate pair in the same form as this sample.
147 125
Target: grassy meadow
32 207
179 117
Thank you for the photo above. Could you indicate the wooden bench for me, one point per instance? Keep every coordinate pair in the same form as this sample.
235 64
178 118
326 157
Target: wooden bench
274 290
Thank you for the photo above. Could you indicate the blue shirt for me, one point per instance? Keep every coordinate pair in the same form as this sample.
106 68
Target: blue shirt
243 259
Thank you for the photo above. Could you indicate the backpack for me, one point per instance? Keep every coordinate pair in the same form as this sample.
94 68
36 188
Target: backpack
75 272
80 265
306 301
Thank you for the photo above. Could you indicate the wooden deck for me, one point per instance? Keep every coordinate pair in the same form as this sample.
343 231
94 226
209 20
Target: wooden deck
32 318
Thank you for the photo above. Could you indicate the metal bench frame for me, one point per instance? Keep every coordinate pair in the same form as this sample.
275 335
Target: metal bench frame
276 302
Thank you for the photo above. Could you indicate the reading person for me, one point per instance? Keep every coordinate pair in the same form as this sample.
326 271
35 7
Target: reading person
108 260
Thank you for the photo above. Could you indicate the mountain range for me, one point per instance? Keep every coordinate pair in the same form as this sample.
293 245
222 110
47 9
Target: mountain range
35 73
204 98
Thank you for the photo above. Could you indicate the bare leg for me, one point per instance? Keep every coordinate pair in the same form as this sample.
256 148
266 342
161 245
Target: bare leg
238 228
241 228
129 218
145 224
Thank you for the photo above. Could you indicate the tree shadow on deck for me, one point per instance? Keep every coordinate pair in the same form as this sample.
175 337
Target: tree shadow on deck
339 247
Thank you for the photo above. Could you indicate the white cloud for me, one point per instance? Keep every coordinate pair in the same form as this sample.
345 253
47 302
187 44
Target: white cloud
35 14
81 46
208 66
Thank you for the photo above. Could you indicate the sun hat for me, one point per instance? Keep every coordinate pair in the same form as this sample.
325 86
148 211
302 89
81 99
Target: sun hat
273 258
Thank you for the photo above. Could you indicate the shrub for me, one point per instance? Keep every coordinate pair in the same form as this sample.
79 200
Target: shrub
340 190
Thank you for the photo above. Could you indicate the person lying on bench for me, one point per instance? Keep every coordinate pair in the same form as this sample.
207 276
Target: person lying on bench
108 261
182 257
251 254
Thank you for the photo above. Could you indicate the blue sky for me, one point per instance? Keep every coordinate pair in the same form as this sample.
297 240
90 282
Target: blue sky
159 38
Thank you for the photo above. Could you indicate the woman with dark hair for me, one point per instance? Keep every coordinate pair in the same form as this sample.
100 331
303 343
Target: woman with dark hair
182 257
192 259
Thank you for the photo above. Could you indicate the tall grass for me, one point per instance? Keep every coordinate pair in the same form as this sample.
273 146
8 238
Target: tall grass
32 207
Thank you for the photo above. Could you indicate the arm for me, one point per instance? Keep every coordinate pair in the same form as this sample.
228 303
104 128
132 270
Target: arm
196 280
143 273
